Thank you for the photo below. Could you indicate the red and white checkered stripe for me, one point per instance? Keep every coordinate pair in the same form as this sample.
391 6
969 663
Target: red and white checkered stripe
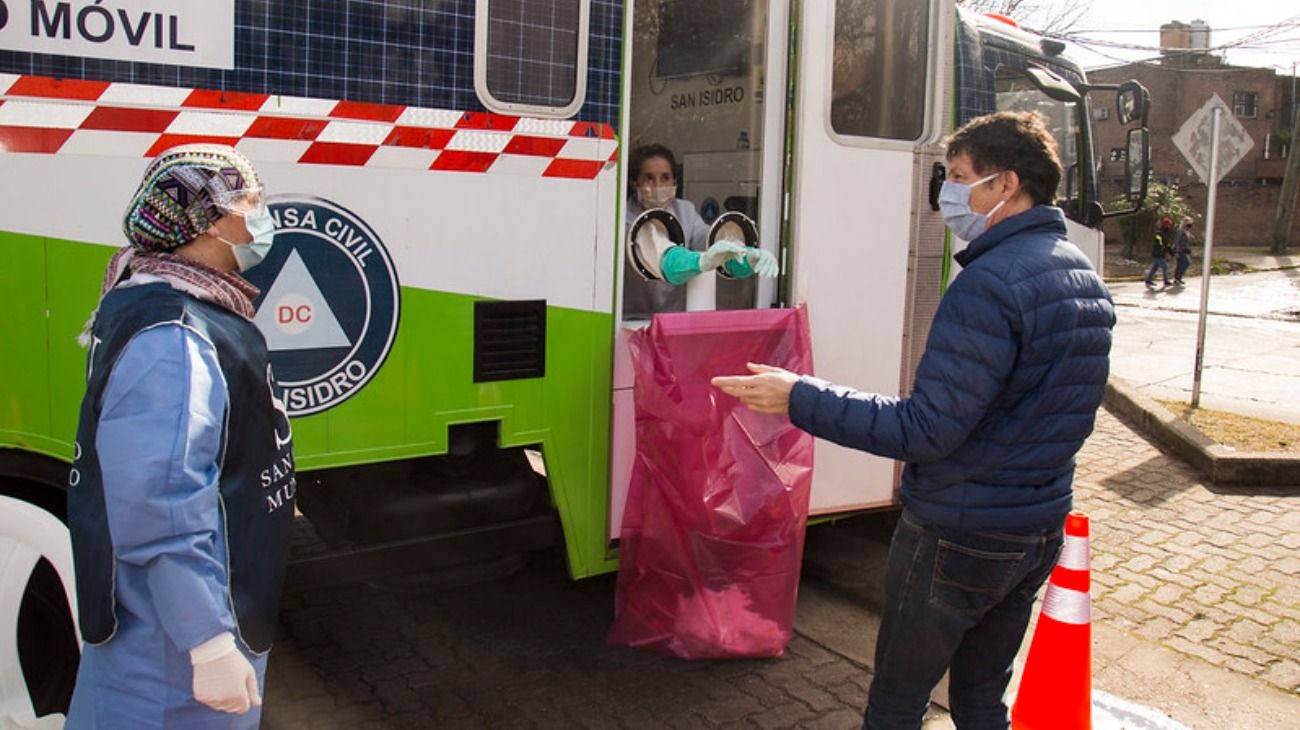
68 116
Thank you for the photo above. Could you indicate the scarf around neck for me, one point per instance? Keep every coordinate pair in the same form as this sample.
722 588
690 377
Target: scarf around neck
197 279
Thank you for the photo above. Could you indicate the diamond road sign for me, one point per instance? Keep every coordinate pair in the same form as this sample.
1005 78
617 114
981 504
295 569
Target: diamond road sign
1193 139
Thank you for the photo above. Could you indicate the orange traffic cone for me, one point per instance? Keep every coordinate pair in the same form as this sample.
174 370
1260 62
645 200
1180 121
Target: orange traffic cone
1056 687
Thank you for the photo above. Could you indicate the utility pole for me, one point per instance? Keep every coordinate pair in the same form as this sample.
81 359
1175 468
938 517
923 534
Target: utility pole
1286 200
1207 254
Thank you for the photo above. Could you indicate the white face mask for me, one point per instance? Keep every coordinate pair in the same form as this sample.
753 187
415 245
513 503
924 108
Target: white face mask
656 197
262 228
954 204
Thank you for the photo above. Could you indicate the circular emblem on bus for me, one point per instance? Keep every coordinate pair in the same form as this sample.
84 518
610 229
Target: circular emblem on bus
329 303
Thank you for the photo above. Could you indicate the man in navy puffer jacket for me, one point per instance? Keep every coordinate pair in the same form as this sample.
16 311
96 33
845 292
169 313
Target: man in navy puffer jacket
1005 394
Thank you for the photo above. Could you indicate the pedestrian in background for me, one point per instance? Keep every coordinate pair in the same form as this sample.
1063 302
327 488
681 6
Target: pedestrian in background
1160 248
179 554
1004 396
1182 250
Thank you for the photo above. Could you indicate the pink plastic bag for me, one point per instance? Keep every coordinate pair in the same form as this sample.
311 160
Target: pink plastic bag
713 531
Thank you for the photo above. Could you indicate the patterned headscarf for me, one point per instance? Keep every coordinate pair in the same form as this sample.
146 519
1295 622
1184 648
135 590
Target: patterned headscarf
174 203
173 206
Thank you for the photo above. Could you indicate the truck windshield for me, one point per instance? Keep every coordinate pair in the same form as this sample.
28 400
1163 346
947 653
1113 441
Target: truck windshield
1016 92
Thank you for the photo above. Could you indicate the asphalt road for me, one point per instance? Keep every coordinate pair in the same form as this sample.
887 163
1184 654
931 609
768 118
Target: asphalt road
1251 360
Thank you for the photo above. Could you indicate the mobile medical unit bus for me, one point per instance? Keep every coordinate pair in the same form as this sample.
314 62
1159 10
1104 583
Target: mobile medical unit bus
444 301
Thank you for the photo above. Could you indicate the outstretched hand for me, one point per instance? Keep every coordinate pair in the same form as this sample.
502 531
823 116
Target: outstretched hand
766 391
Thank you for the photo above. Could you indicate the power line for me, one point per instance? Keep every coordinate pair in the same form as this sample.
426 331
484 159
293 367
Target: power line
1156 30
1259 35
1262 45
1262 40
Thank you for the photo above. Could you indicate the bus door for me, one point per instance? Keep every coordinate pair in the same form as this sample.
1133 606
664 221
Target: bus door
707 82
869 251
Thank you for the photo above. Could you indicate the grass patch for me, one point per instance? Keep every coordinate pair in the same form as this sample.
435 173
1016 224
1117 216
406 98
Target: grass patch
1242 433
1218 267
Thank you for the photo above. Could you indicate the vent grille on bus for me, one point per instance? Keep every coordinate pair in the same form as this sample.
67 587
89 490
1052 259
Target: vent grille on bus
509 340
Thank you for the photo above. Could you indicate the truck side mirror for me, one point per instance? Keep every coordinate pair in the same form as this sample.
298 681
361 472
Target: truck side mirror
1132 102
1137 163
1053 86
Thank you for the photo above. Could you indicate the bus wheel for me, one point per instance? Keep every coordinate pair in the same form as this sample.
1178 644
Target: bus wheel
39 645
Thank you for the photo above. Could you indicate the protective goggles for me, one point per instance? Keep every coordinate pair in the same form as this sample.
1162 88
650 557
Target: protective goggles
243 202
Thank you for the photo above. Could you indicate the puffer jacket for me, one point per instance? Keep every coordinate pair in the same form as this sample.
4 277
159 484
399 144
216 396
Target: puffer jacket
1006 392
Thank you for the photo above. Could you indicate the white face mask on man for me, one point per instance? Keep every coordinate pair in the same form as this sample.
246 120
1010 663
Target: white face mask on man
954 204
655 196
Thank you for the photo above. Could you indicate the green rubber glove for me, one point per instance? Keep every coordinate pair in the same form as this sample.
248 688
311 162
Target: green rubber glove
680 264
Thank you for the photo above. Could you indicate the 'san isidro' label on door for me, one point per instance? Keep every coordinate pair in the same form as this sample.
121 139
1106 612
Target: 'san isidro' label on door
329 303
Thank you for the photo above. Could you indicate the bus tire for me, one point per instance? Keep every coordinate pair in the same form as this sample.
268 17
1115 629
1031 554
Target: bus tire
39 640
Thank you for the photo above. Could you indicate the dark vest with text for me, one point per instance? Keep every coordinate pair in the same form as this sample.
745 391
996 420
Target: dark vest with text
256 482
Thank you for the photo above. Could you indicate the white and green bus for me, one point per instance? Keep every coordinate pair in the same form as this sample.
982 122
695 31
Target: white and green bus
444 302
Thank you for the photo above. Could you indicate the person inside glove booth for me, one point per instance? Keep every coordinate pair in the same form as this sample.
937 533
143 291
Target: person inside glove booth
669 243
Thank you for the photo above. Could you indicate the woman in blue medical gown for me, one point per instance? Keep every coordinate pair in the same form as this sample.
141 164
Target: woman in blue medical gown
180 498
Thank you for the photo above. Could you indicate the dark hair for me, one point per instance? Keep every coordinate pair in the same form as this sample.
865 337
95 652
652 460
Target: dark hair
646 152
1017 141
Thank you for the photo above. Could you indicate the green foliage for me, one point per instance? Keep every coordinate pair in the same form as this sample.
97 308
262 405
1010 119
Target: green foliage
1227 266
1164 200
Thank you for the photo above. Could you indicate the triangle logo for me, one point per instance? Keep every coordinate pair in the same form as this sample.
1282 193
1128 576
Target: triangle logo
295 315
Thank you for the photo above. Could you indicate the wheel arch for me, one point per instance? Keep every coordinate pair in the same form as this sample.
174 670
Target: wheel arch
39 651
36 478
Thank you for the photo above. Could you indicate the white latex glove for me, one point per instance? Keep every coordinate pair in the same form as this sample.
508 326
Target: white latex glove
720 253
223 678
762 262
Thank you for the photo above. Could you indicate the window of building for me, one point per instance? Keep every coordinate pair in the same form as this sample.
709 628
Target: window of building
879 62
1243 104
1118 154
531 57
1100 113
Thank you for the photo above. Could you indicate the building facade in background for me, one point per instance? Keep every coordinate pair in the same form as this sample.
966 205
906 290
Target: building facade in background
1185 76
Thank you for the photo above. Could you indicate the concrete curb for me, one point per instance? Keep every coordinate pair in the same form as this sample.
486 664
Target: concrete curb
1219 464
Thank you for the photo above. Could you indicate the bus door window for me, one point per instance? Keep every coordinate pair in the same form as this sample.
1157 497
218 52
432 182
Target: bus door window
697 88
879 66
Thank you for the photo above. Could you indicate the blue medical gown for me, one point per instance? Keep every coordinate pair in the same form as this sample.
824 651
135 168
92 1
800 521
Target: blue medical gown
159 446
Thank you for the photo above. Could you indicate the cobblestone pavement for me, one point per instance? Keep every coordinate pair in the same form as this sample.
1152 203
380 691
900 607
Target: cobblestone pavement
526 651
1206 571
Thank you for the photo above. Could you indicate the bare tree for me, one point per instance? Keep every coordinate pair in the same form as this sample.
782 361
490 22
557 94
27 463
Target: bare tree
1049 17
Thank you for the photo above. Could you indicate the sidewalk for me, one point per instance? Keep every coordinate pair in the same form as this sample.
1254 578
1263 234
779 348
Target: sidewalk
1195 588
1249 361
1118 268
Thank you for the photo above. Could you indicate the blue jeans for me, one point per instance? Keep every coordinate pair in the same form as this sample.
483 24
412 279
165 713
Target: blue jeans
1180 267
1158 262
960 600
